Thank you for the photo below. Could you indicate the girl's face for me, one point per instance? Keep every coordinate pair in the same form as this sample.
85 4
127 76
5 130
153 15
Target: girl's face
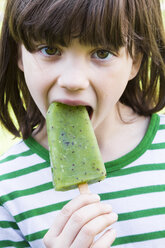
78 75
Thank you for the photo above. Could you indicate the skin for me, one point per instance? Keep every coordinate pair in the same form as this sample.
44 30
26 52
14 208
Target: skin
80 221
84 75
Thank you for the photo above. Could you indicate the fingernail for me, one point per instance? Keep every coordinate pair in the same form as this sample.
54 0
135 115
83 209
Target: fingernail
114 216
97 197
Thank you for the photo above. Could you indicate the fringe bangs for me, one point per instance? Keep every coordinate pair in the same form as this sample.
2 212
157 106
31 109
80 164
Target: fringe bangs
94 22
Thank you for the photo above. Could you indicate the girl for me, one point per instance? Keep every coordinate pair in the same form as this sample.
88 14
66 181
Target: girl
107 55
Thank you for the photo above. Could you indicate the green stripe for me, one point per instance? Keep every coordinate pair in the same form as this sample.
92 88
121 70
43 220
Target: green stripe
9 243
37 148
36 235
105 196
12 157
8 224
141 214
157 146
139 238
161 127
24 171
136 169
19 193
132 192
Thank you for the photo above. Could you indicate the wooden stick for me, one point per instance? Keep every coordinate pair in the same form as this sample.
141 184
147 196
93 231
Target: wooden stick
83 188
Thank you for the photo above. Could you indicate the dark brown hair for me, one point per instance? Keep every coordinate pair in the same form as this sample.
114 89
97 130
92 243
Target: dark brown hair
136 24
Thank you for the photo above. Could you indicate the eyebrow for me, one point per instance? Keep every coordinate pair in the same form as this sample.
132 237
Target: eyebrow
105 46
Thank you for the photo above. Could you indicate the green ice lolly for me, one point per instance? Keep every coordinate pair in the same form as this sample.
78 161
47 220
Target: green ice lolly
74 153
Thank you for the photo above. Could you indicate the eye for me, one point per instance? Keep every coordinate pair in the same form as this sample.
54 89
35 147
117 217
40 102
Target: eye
102 54
50 51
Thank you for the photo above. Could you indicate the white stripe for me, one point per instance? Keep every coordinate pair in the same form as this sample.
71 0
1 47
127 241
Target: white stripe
38 200
159 137
149 157
158 243
10 234
37 244
162 117
140 226
138 202
37 223
141 179
26 181
5 216
15 149
20 163
31 202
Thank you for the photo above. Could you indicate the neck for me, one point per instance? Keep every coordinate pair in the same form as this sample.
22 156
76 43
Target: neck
120 133
41 137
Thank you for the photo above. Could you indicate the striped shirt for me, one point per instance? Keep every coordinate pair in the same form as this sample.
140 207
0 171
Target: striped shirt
135 187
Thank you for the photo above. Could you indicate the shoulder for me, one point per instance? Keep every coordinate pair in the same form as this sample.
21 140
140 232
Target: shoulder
14 150
12 160
17 150
20 149
17 159
21 167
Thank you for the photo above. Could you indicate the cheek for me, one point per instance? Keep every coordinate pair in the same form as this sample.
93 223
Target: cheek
36 76
37 85
34 83
113 83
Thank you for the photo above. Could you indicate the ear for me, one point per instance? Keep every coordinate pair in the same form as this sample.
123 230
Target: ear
136 65
20 62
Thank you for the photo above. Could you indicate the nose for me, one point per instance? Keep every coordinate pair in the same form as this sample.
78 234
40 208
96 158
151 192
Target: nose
73 79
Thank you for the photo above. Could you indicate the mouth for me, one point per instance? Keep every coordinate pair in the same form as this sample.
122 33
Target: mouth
90 111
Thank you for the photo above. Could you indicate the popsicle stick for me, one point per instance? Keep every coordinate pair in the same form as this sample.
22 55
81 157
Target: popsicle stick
83 188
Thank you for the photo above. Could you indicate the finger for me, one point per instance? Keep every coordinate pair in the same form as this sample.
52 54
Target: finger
106 240
83 216
67 211
88 232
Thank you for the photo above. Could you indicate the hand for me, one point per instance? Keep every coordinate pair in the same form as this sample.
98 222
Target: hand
79 222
